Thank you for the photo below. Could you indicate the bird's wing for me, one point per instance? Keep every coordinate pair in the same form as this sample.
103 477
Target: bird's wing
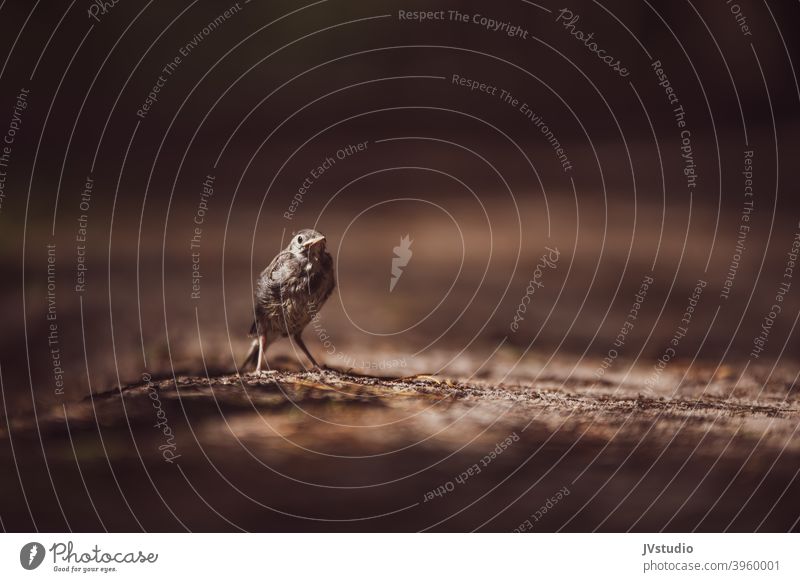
281 271
283 268
270 282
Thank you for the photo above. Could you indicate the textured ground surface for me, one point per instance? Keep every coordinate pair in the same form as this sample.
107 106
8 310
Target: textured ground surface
294 450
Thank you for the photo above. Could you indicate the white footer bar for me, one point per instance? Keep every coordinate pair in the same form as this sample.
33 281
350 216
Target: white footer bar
401 557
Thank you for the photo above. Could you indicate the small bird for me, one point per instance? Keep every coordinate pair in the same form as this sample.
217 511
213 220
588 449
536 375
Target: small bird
290 292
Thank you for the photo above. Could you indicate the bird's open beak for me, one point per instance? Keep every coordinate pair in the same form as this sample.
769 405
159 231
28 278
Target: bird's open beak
313 241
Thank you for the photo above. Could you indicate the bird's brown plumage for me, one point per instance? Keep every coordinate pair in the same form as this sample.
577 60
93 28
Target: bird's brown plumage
292 289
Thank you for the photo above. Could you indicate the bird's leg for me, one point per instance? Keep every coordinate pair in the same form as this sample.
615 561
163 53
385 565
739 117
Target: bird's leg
262 351
299 340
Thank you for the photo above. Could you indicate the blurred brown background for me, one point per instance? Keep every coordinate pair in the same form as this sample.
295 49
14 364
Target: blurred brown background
261 98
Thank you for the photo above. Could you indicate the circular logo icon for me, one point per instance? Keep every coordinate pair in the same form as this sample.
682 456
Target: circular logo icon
31 555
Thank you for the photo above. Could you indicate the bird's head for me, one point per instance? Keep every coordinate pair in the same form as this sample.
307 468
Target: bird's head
307 242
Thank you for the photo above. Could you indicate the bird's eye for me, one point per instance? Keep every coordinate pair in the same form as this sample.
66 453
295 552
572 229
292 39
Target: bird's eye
299 239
